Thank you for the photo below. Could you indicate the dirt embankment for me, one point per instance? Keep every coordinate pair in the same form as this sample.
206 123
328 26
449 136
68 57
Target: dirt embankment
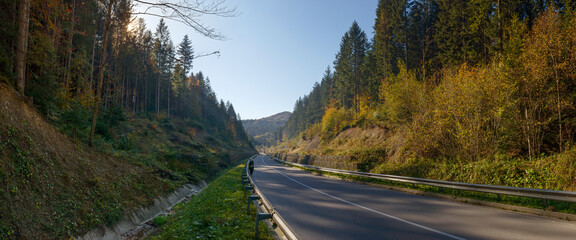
53 187
353 149
345 143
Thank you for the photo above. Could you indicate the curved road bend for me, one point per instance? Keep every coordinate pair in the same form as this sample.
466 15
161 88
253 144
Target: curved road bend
322 208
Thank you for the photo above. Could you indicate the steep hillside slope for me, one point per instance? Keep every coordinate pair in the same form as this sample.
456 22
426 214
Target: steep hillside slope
262 130
348 142
55 188
376 149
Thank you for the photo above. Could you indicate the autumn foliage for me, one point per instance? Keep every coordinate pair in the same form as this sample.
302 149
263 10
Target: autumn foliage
512 98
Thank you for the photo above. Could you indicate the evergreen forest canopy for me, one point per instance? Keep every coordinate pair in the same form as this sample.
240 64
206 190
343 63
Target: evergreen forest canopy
90 61
462 80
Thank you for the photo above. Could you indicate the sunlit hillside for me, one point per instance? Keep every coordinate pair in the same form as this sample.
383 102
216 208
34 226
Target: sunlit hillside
450 88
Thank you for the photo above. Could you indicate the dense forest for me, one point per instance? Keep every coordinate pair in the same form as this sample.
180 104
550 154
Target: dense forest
81 61
100 115
457 80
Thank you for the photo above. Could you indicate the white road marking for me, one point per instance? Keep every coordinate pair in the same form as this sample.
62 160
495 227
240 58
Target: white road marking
366 208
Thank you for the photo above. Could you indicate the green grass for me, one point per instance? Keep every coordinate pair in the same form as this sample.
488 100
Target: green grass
218 212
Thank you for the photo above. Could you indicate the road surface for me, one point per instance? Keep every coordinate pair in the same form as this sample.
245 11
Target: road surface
323 208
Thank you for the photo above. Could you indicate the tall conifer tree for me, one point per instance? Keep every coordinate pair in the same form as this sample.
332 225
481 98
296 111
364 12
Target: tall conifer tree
348 65
387 43
186 54
164 56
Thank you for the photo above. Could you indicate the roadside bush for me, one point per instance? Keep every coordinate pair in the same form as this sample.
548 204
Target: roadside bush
110 117
469 111
75 121
312 131
404 96
369 158
160 220
463 121
336 120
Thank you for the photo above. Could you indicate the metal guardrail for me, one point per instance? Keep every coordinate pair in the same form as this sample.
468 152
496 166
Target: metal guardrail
268 211
543 194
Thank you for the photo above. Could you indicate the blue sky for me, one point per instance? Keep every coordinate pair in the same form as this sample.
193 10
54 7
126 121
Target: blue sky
275 50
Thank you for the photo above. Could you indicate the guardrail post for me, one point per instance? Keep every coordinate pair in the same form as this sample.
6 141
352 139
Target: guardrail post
260 216
244 177
244 182
250 199
249 187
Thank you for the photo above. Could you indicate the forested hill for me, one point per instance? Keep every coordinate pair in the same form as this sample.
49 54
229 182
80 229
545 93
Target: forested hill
452 82
263 130
76 71
255 127
100 115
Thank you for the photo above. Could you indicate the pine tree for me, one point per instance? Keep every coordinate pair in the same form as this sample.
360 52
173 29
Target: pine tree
179 87
421 25
387 42
327 86
371 86
164 56
348 65
315 108
343 70
463 31
451 32
186 54
99 84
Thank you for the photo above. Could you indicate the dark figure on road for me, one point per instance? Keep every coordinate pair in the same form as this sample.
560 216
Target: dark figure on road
251 166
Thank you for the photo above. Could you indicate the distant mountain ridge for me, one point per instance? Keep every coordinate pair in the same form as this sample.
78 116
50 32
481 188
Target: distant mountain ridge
262 130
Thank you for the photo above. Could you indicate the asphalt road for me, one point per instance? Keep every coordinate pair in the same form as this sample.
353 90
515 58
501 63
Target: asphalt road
323 208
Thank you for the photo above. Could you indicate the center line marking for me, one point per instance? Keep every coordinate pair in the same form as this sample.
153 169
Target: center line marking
365 208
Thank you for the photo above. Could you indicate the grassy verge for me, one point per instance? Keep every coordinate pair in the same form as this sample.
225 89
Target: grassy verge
218 212
557 206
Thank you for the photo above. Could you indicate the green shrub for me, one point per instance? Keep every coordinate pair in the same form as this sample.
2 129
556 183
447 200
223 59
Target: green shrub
75 120
160 220
404 96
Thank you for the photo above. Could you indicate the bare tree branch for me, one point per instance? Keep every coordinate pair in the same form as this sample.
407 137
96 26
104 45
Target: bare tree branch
217 53
189 12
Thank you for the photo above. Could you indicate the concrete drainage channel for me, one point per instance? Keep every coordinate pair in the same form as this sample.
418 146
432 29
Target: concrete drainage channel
135 225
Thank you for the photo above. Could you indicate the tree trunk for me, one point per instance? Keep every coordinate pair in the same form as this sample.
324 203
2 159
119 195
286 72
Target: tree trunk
101 72
500 28
135 93
169 94
145 106
22 44
528 134
158 96
67 70
558 102
92 64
